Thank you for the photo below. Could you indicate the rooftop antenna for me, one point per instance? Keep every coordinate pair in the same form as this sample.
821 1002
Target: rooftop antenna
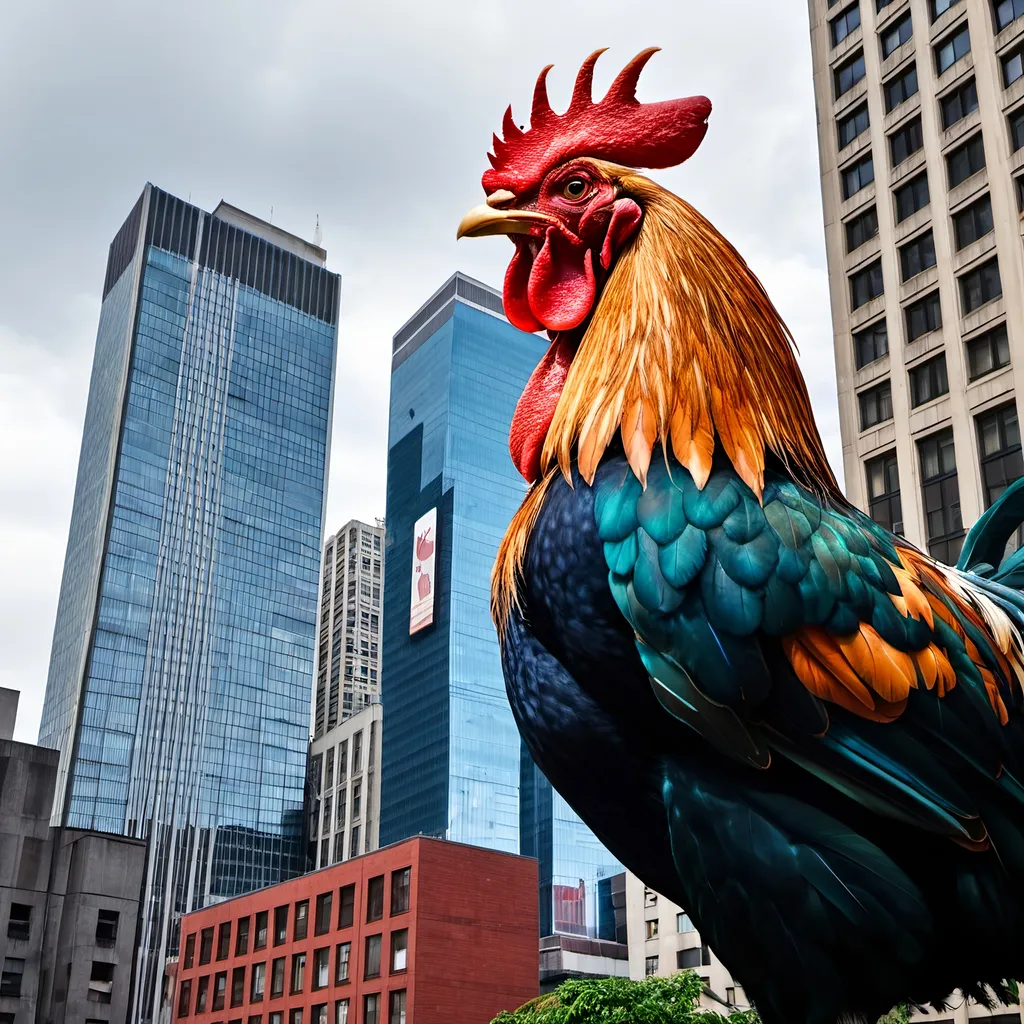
318 235
271 215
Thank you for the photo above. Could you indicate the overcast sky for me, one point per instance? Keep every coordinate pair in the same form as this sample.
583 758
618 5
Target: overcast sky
376 116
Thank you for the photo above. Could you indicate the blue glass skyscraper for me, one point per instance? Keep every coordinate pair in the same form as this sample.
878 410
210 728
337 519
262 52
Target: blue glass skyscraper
451 752
179 681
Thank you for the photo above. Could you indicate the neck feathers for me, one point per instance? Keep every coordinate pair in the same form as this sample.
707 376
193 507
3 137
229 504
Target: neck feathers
685 348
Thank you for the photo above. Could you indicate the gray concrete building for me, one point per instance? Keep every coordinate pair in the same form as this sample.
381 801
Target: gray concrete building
345 775
69 904
347 675
921 140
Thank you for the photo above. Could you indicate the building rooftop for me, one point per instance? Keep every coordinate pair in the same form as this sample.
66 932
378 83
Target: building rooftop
422 324
269 233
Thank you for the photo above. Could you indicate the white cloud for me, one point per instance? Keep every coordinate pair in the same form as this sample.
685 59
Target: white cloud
376 117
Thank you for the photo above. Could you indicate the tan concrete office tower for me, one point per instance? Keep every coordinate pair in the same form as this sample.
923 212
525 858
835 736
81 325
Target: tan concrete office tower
920 132
348 650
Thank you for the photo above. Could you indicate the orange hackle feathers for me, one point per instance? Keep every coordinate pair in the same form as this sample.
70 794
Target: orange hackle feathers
685 345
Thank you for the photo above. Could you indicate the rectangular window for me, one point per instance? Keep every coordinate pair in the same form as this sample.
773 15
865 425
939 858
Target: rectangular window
861 228
999 450
650 966
939 7
375 898
205 946
396 1011
184 997
321 967
911 197
980 285
928 381
346 905
907 141
260 941
870 344
327 815
342 955
323 914
339 847
848 74
19 924
973 223
318 1013
683 923
866 284
224 940
882 4
353 850
357 799
884 505
844 23
371 1009
301 919
1015 123
343 762
371 963
988 352
329 770
900 88
956 105
341 1012
923 316
400 886
399 949
202 992
1007 11
220 988
256 1018
875 405
965 160
858 175
190 951
941 496
237 986
917 255
298 972
10 978
687 959
257 982
295 1016
242 937
277 978
652 927
1013 67
896 34
952 48
852 125
280 925
357 752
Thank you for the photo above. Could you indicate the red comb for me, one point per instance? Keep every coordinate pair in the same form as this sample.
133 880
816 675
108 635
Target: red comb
619 129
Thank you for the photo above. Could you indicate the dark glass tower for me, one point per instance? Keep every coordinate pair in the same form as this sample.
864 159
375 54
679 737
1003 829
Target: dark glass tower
452 753
179 681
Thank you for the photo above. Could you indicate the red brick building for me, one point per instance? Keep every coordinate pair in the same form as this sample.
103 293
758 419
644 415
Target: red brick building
422 932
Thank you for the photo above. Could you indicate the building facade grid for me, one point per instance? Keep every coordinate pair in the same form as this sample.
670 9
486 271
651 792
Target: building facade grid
920 129
348 651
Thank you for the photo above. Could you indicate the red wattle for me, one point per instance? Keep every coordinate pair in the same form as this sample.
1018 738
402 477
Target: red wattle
562 288
536 408
517 279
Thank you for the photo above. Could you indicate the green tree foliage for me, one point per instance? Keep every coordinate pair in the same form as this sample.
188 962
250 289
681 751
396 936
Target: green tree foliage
671 1000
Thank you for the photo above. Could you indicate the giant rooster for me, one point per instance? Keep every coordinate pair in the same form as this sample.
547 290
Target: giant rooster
780 715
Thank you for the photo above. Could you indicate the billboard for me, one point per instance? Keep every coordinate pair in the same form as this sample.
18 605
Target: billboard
424 552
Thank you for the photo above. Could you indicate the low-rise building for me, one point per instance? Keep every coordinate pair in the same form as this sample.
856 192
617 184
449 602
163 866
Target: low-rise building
662 940
425 930
344 775
69 904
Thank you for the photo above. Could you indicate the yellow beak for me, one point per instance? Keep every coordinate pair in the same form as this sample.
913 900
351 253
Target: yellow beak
487 219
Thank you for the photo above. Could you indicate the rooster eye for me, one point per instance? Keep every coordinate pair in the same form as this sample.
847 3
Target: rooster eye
575 188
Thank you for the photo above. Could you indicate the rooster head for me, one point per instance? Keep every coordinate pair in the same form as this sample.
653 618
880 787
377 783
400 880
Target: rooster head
554 190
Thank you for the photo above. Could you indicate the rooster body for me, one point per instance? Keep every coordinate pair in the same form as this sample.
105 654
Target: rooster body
794 724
